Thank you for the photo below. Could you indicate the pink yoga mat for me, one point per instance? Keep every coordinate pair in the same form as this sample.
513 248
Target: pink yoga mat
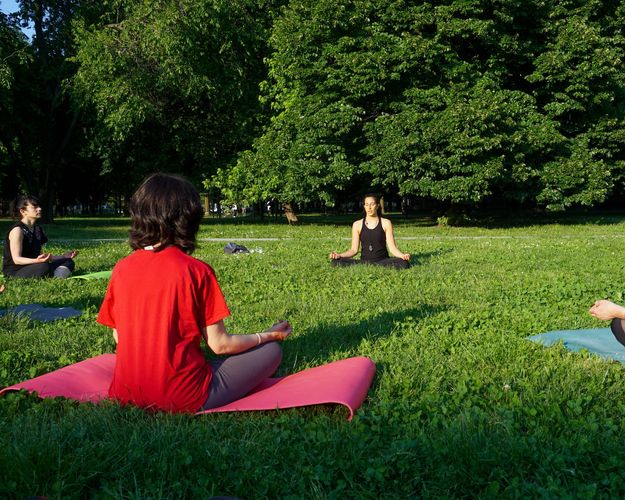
343 382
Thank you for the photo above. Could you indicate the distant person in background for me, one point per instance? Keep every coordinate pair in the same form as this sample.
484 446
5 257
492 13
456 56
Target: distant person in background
606 310
374 234
23 257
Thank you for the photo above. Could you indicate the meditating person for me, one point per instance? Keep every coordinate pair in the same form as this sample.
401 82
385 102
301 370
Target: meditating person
606 310
373 234
161 303
23 257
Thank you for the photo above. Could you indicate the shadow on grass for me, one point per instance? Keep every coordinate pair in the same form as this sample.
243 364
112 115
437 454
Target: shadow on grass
326 338
421 258
491 219
528 218
335 220
117 227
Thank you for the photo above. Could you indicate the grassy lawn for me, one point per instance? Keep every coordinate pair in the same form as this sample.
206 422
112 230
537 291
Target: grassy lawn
461 405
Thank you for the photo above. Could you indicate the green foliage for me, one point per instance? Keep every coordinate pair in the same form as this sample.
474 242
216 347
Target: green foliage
12 52
461 101
173 84
459 145
14 55
461 406
41 133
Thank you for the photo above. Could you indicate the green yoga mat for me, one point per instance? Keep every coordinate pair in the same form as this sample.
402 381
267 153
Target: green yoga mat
599 341
93 276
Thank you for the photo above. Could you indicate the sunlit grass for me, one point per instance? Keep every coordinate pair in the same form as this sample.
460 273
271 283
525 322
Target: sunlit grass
462 404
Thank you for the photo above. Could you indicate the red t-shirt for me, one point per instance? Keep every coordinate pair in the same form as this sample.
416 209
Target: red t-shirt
158 302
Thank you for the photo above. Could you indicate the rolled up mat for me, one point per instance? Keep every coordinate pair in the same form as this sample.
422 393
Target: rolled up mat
344 382
599 341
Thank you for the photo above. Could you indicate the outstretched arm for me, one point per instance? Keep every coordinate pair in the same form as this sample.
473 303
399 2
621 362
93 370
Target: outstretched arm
355 244
390 241
606 310
221 342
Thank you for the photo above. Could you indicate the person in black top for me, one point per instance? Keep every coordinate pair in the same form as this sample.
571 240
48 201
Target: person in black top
23 257
374 234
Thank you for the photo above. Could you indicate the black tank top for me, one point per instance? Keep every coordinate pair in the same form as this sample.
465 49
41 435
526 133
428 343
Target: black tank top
32 242
373 242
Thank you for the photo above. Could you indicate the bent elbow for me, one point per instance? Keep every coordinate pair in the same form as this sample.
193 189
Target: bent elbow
220 349
223 347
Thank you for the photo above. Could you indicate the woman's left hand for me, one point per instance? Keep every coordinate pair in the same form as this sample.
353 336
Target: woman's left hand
279 331
71 254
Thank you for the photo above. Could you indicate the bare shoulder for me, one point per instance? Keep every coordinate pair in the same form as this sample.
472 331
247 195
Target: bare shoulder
16 232
386 224
357 224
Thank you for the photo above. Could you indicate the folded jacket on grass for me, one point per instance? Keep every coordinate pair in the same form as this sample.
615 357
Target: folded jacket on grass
599 341
41 313
343 382
92 276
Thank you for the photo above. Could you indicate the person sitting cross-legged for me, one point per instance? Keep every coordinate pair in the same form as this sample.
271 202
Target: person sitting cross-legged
161 302
23 257
374 234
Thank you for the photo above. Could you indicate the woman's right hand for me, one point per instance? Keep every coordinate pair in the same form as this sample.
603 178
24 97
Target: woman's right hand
278 331
606 310
44 257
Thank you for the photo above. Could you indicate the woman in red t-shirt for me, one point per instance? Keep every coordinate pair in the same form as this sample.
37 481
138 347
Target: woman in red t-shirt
161 302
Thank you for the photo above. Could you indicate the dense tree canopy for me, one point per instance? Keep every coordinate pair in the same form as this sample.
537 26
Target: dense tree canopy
173 85
14 56
463 102
460 101
42 132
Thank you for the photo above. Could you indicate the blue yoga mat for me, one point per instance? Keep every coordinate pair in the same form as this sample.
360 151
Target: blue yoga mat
599 341
40 313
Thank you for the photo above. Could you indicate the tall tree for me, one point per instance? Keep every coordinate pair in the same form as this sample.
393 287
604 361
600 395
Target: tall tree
45 124
173 85
580 84
461 101
14 57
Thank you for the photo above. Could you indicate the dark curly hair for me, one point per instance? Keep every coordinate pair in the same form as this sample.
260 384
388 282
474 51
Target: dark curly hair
21 202
165 209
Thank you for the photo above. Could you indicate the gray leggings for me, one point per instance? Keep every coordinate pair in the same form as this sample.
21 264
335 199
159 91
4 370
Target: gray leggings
236 375
41 269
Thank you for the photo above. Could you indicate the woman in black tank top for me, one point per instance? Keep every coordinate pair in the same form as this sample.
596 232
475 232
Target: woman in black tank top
23 257
373 234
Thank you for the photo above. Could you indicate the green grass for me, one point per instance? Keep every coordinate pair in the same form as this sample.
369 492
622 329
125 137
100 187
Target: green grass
461 405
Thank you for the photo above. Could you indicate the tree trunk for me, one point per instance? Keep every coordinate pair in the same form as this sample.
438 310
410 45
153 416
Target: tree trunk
290 214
